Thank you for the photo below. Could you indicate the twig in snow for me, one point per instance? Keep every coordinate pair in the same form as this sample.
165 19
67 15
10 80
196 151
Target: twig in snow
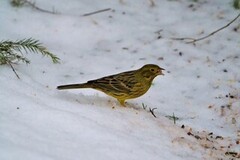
95 12
14 70
152 111
193 40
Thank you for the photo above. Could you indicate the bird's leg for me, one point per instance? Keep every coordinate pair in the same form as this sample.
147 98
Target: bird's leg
122 102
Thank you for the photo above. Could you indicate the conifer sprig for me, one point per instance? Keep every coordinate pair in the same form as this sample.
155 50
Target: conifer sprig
12 52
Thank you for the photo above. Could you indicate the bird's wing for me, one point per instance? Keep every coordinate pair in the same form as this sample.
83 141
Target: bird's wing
122 82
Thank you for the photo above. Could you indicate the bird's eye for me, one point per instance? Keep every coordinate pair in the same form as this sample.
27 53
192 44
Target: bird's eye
152 70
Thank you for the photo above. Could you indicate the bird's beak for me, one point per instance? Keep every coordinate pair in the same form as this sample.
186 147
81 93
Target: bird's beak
160 71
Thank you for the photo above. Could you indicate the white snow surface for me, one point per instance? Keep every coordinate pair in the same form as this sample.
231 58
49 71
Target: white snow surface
201 85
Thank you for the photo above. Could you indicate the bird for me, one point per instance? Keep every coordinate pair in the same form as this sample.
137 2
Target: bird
122 86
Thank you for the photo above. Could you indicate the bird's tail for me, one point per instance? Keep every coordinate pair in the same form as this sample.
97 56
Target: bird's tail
74 86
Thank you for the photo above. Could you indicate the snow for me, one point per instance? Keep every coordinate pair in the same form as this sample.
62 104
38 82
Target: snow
39 122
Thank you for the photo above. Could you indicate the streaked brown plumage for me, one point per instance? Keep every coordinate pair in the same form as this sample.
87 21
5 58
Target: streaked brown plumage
122 86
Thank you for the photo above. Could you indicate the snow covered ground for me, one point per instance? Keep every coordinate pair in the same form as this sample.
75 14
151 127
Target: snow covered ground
201 86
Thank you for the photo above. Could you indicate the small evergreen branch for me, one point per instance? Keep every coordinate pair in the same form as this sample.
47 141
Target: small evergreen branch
20 3
12 52
173 117
193 40
26 45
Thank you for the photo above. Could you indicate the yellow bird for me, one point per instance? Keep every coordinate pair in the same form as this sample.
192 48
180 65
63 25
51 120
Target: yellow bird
122 86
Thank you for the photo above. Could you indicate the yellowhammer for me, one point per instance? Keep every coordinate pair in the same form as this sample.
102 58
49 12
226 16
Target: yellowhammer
122 86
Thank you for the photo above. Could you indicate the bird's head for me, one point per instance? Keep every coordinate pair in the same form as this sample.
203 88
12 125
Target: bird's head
150 71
